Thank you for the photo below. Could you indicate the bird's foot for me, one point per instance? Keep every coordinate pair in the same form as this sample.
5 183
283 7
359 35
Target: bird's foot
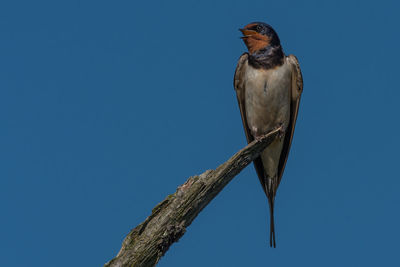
282 131
258 138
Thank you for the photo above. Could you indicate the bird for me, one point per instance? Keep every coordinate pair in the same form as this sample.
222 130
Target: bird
268 87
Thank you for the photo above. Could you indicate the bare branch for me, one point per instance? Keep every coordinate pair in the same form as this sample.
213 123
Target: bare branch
148 242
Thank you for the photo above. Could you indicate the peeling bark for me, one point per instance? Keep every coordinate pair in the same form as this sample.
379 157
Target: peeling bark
148 242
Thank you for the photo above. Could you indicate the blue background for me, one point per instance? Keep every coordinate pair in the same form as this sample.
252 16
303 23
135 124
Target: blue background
107 106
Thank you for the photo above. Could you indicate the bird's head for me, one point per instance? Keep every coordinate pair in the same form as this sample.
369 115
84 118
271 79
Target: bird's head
258 36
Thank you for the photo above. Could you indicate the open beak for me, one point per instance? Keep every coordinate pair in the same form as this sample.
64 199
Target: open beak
247 33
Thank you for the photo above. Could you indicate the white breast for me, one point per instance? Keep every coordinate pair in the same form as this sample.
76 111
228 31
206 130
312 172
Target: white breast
267 98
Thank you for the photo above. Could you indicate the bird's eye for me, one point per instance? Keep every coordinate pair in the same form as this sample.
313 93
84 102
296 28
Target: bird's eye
259 28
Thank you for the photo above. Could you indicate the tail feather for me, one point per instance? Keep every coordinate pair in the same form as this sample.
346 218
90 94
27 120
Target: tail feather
272 241
270 190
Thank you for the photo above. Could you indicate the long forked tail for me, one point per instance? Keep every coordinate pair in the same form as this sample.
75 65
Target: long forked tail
272 223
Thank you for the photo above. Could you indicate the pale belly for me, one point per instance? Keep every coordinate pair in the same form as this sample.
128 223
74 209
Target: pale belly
267 102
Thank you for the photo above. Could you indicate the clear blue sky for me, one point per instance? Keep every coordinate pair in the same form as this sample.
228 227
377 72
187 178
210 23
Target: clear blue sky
107 106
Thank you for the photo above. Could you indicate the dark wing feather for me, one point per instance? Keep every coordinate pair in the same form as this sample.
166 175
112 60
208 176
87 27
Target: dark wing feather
238 83
296 90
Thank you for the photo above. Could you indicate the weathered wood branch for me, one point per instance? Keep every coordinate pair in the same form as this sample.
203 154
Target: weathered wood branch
148 242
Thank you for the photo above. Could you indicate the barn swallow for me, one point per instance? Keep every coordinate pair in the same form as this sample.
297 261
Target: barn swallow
268 86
